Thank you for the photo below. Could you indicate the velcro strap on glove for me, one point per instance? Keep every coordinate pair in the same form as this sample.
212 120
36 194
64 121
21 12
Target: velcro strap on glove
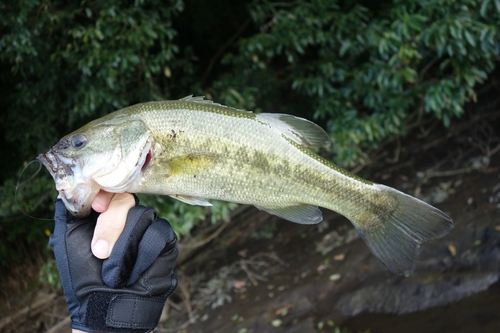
124 313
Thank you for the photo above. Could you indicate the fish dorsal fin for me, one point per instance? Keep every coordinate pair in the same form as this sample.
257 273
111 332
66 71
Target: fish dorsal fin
300 130
202 100
301 213
191 200
197 99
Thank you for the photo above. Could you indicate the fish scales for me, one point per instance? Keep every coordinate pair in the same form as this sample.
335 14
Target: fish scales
278 172
194 150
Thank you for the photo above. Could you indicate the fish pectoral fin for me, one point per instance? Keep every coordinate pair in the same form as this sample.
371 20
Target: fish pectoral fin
191 200
304 132
302 213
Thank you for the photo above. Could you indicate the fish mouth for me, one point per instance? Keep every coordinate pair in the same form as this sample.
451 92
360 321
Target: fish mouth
78 184
49 161
76 193
58 167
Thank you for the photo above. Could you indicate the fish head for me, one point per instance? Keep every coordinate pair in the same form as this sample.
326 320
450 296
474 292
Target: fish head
108 153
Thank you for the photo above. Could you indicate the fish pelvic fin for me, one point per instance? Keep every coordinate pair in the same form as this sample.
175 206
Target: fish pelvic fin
195 201
301 213
395 233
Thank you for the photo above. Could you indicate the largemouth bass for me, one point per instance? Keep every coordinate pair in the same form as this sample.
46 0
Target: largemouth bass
193 150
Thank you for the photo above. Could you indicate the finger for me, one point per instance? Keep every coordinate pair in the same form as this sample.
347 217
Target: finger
117 268
110 224
158 239
101 201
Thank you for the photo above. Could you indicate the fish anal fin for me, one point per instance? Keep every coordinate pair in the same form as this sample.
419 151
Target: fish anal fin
192 200
302 213
304 132
394 236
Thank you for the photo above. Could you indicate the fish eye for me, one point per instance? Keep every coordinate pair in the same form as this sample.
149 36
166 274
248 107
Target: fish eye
78 141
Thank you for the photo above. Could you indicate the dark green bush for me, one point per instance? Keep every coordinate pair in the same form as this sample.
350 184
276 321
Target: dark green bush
367 70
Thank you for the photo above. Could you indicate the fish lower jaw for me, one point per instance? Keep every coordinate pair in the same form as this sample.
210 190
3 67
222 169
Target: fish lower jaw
78 200
65 189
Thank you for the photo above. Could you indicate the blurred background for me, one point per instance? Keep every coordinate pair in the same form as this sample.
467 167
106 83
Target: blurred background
408 91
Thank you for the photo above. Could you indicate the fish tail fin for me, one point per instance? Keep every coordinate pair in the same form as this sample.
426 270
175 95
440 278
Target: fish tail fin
395 233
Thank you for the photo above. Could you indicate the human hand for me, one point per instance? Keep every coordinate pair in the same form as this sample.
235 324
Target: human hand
113 208
125 292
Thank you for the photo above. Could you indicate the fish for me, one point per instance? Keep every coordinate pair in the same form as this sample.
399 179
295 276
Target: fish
195 150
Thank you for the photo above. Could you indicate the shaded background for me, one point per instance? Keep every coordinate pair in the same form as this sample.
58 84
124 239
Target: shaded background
411 84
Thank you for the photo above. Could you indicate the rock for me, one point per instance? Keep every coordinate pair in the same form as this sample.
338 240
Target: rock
413 295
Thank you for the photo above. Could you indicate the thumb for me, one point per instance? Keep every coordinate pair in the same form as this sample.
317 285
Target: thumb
114 208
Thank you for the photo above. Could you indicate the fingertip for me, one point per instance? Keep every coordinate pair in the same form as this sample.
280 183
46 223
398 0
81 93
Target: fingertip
110 222
101 201
101 249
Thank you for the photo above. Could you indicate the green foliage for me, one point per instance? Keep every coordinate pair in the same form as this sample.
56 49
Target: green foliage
363 70
65 63
368 71
50 274
70 63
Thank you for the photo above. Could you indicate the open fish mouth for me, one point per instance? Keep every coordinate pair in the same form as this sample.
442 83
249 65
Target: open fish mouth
76 193
49 161
58 170
78 185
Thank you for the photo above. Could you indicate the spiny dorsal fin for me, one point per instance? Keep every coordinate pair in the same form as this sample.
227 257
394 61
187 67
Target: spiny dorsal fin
197 99
300 130
202 100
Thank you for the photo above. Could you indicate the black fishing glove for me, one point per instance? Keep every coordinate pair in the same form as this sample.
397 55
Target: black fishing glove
127 291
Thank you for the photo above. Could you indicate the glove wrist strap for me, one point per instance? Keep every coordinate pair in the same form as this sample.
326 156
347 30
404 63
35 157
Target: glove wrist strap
124 313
